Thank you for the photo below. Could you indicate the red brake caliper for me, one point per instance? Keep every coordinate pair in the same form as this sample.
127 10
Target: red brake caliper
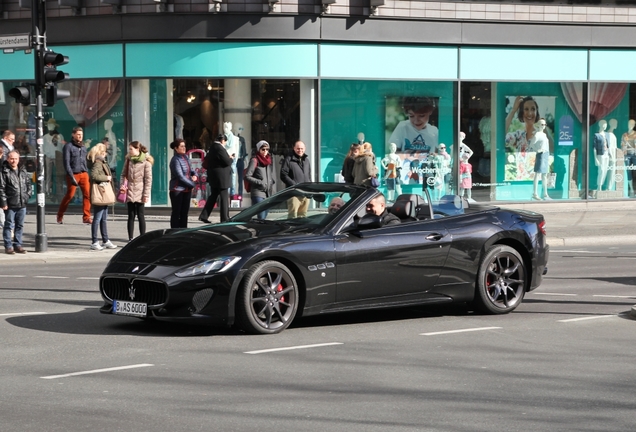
279 288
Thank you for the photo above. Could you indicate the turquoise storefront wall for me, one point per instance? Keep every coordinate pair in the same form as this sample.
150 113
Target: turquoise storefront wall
431 70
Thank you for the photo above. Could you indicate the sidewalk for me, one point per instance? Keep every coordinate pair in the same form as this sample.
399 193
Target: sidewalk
568 224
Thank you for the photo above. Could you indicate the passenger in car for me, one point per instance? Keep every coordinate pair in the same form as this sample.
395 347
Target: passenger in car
335 205
377 206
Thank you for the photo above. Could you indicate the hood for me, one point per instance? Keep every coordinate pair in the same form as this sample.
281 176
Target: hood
181 247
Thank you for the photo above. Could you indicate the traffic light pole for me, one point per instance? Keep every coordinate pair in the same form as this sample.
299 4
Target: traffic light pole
38 20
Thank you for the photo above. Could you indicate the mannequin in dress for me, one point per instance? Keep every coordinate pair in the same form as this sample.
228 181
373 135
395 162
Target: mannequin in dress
391 163
612 147
540 144
242 154
232 149
465 177
601 154
628 145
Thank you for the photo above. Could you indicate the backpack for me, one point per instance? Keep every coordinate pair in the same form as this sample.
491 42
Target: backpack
248 185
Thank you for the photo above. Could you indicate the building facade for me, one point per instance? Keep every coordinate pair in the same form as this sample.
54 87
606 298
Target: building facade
461 89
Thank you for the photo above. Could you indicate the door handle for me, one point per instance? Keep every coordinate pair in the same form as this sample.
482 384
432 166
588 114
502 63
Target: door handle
434 236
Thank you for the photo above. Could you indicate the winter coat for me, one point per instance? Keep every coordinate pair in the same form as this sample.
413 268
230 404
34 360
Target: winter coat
261 178
74 156
15 186
100 171
219 166
139 176
295 169
364 168
347 169
180 173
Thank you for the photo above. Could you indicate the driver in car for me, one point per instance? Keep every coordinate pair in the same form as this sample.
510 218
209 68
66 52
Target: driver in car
377 206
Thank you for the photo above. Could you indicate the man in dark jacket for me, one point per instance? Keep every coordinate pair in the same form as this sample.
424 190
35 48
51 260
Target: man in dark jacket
74 156
377 206
296 169
15 190
219 166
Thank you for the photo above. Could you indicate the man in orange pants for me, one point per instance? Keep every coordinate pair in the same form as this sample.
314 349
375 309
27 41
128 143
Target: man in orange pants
74 156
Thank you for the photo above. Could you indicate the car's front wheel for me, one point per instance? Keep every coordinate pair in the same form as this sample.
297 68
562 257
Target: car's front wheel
267 299
501 280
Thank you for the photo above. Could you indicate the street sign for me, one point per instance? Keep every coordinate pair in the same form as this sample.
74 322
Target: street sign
10 43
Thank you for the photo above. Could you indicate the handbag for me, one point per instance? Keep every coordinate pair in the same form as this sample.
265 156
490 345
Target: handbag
375 182
122 196
102 194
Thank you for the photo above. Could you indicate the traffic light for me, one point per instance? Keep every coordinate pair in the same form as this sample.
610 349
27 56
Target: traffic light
51 76
53 94
21 94
51 60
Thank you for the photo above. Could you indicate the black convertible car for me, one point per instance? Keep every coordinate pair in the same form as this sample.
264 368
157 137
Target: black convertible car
260 273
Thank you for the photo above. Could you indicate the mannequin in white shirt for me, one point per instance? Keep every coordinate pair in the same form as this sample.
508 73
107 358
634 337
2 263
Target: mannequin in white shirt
601 154
391 162
541 145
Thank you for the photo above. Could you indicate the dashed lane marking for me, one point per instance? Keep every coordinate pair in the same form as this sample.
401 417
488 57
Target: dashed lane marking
51 277
94 371
23 313
293 348
586 318
459 331
614 296
553 294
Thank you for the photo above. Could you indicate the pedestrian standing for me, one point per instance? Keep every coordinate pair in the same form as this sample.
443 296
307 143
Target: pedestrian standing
219 166
100 173
138 175
364 168
349 162
74 157
2 159
260 175
182 181
15 190
296 169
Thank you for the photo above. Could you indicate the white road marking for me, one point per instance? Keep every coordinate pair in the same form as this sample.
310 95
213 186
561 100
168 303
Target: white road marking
24 313
87 278
553 294
614 296
459 331
586 318
292 348
51 277
10 276
98 371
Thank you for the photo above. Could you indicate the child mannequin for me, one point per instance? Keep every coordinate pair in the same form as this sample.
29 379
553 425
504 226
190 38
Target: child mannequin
465 177
391 164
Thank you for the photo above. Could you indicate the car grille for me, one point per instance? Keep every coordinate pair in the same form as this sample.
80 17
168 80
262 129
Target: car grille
152 293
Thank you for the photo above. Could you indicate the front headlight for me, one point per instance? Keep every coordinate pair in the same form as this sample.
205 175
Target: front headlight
216 265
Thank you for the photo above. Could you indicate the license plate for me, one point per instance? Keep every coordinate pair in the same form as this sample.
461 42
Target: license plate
130 308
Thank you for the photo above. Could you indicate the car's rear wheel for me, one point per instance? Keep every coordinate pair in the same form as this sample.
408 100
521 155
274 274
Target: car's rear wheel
501 280
267 299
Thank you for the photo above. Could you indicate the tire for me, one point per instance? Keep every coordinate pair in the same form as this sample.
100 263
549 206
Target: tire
268 299
501 280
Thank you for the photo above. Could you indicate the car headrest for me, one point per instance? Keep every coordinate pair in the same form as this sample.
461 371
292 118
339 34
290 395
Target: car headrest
405 206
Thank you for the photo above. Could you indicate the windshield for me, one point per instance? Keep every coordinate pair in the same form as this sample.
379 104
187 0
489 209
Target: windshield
307 204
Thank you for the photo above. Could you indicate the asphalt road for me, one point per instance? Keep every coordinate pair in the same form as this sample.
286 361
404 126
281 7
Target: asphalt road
564 360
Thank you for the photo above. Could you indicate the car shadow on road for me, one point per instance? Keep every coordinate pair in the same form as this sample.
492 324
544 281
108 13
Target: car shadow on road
89 321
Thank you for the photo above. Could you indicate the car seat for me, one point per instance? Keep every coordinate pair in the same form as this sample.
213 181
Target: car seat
405 206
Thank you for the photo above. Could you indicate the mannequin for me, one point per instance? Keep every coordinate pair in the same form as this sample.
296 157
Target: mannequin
112 148
628 145
463 148
360 138
465 177
445 163
53 142
178 127
232 149
601 155
240 161
540 144
391 164
611 146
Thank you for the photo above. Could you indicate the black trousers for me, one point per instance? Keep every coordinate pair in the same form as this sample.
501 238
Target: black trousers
224 204
180 207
